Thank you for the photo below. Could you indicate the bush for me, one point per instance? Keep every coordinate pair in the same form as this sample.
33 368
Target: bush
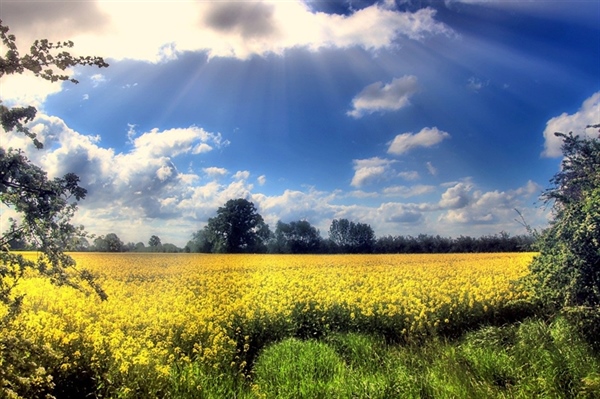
567 271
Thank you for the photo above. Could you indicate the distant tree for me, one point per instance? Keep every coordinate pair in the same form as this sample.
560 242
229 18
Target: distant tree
200 242
238 227
80 244
154 242
140 247
464 244
128 247
169 248
100 244
566 275
114 243
424 243
296 238
352 237
109 243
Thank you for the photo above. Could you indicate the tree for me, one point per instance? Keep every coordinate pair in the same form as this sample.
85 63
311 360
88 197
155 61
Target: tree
566 274
352 237
43 63
237 228
109 243
45 206
200 242
154 242
114 243
297 238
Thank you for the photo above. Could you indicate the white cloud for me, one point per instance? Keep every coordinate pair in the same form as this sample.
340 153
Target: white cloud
432 169
131 133
378 97
588 114
261 180
173 142
367 171
121 186
241 175
129 29
312 205
466 206
427 137
456 197
142 189
214 172
475 84
411 175
97 79
164 172
408 191
362 194
27 89
395 213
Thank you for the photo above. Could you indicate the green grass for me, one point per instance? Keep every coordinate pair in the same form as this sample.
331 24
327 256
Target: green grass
531 359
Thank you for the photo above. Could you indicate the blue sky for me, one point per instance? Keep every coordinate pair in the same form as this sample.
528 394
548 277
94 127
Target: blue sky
431 117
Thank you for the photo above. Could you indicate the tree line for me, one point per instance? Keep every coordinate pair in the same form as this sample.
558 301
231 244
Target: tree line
103 243
239 228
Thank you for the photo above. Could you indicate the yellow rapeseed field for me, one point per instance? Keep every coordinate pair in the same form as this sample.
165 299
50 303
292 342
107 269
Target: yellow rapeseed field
167 310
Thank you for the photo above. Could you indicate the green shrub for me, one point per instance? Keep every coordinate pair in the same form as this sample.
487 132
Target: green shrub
565 277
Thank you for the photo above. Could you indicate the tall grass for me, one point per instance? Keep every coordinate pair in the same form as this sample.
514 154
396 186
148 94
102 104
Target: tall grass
532 359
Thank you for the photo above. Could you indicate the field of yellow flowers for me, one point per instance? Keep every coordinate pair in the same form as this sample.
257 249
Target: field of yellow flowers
168 310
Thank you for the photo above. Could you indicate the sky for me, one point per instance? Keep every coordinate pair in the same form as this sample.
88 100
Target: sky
415 117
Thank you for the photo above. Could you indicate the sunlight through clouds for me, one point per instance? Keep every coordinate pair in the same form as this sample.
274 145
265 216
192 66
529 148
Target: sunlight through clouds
414 117
158 31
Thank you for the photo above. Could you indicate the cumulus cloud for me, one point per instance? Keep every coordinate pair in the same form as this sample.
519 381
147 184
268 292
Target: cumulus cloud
378 97
401 213
215 172
124 185
466 206
252 19
367 171
312 205
173 142
241 175
456 197
588 114
142 188
26 89
223 29
427 137
49 19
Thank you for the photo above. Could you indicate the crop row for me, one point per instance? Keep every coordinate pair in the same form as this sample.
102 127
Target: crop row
166 311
